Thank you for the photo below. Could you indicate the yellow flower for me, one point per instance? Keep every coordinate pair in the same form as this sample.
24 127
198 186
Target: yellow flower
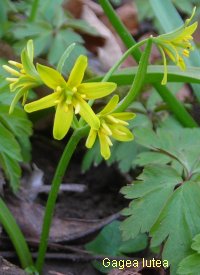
111 125
176 45
24 75
69 96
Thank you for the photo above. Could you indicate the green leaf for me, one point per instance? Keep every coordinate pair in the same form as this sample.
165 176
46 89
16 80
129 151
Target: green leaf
15 234
150 193
110 243
190 265
196 243
64 57
178 223
155 75
20 126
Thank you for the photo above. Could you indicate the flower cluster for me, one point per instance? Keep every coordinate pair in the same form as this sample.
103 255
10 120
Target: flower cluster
111 125
176 45
71 98
24 75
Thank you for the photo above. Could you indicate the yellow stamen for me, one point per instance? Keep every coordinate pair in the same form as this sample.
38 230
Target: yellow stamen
57 101
83 95
77 108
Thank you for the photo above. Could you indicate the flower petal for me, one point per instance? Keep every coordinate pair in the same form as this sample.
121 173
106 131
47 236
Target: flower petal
124 115
77 73
50 77
104 146
62 121
86 112
43 103
96 89
121 133
91 138
110 106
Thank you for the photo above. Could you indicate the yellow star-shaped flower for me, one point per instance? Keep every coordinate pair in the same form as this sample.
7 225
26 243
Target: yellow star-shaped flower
69 96
112 125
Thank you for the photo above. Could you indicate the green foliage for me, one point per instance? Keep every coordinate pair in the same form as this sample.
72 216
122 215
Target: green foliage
109 243
52 32
165 197
191 264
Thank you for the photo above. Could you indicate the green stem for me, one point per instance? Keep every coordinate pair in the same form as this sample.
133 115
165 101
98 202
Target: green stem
185 118
15 234
49 210
122 59
138 80
34 10
124 34
176 107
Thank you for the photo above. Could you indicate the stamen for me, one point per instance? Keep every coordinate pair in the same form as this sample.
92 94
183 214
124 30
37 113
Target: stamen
74 89
77 108
83 95
57 101
11 71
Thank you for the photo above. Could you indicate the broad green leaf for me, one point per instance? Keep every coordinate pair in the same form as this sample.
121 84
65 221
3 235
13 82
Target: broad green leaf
109 243
20 126
150 192
196 243
12 170
178 223
182 145
8 144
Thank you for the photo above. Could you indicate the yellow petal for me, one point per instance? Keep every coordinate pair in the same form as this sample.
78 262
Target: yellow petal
121 133
77 73
50 77
110 106
96 89
91 138
104 146
62 121
124 115
43 103
86 112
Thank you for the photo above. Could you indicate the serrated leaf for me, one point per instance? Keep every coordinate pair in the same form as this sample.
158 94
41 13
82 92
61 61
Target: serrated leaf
150 193
190 265
110 243
20 126
196 243
180 144
178 223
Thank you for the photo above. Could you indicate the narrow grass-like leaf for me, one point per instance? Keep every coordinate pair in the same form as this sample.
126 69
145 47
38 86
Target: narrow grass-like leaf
15 234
